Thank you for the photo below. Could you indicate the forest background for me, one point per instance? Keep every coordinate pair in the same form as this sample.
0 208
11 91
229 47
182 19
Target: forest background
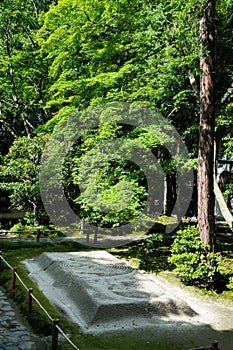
60 57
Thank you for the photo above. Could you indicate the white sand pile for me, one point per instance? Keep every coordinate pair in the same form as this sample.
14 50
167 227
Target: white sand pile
103 294
95 288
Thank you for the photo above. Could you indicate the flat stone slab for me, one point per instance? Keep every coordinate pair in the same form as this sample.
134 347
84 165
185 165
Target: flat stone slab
99 291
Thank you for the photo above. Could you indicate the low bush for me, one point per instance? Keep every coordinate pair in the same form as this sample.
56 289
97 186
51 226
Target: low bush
31 231
18 228
193 262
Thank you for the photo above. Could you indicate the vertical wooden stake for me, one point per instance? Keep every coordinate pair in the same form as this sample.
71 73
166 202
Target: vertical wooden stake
95 237
30 291
13 277
214 345
55 334
38 235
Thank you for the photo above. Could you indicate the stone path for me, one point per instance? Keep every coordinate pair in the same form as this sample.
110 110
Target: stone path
14 334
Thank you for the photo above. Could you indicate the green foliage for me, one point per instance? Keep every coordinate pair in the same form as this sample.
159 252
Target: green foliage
229 189
22 74
119 187
26 228
193 262
144 51
78 53
19 174
18 228
230 284
113 188
120 51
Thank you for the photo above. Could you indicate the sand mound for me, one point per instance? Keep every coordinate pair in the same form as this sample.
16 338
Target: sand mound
95 289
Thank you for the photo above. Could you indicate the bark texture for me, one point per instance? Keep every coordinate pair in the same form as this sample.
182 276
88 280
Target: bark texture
207 121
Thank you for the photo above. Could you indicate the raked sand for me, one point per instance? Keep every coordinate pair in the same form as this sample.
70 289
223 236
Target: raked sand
103 294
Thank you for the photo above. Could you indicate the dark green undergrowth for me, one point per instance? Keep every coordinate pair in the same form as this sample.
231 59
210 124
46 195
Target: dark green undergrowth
150 254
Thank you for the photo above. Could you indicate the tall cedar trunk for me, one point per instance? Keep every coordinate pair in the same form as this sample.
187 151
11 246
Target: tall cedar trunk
206 134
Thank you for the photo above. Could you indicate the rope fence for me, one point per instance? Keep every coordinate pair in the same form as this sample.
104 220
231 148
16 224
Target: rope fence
65 336
20 234
55 322
37 235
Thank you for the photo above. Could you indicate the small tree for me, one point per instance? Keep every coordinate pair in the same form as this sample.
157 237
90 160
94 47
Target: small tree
19 174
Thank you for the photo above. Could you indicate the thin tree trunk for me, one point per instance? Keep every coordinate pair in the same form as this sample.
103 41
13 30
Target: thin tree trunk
206 135
169 194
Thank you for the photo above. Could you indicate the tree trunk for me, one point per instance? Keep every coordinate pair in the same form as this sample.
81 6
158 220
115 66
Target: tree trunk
170 195
206 221
35 213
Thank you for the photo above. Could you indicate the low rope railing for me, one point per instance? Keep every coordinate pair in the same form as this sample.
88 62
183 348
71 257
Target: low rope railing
65 336
55 322
37 235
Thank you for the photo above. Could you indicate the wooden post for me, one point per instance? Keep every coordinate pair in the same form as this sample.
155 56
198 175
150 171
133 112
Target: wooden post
30 291
55 334
13 277
95 236
214 345
38 235
82 226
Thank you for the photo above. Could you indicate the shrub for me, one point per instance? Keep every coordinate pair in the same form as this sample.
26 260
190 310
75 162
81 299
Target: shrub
193 262
30 231
18 228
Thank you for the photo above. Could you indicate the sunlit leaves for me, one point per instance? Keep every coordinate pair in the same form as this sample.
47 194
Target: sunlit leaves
19 172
